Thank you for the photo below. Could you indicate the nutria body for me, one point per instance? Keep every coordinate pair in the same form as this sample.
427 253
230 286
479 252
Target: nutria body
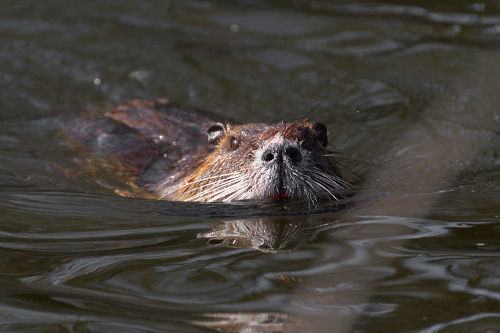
184 154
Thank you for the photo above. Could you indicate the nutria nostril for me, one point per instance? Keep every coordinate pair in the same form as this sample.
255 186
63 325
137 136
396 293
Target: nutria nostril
293 154
277 154
267 156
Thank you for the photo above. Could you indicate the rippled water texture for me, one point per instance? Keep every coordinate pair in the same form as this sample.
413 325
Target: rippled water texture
409 92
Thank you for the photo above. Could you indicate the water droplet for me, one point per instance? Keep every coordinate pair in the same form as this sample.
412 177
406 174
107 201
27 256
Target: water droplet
235 28
137 75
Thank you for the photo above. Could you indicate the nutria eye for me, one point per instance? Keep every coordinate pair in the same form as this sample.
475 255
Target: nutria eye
321 133
234 143
215 134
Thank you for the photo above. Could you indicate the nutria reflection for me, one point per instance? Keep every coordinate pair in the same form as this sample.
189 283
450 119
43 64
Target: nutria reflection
265 234
252 322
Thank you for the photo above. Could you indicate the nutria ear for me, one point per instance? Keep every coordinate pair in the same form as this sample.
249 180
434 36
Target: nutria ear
215 133
322 133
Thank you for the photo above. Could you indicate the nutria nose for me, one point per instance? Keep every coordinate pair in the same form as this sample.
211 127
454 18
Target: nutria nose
276 154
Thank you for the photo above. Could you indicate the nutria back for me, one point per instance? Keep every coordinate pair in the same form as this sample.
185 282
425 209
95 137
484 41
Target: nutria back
142 140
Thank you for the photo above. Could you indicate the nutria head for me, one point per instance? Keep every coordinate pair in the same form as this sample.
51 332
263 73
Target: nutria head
262 161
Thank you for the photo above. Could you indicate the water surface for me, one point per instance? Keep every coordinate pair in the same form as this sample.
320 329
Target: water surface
408 91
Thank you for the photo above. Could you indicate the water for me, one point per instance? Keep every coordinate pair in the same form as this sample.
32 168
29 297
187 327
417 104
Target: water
408 91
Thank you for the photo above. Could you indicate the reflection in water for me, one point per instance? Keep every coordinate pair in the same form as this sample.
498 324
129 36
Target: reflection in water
252 322
264 234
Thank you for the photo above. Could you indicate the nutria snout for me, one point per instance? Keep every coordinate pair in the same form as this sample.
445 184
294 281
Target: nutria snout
279 154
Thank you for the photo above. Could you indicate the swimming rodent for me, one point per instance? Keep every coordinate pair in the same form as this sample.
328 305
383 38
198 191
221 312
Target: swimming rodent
185 154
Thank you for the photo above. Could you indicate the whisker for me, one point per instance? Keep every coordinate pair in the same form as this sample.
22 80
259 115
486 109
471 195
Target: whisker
349 170
198 180
217 183
230 193
223 184
310 195
328 191
336 182
219 192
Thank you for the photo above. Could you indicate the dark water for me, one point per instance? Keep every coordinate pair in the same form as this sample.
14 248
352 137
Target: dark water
409 91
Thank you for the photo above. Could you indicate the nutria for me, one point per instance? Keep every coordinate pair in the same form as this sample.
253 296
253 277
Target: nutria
185 154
